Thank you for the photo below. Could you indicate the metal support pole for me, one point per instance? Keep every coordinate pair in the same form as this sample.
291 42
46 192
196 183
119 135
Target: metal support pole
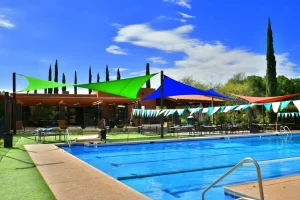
162 103
212 105
7 114
14 122
250 119
8 137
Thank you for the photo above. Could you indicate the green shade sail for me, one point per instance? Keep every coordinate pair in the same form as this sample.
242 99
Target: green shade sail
125 87
38 84
128 87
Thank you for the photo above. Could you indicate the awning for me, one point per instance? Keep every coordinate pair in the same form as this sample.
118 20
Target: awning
175 88
265 99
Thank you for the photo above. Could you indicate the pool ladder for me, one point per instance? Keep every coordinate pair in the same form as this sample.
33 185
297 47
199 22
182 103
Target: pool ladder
68 140
285 129
245 160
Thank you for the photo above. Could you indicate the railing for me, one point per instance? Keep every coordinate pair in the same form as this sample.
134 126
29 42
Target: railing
259 180
285 129
68 140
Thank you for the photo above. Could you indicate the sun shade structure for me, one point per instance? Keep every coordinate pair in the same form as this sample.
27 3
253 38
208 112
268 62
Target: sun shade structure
176 88
37 84
128 87
216 94
265 99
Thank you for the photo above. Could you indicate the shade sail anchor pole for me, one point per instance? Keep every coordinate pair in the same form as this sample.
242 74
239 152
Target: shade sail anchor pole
162 103
14 123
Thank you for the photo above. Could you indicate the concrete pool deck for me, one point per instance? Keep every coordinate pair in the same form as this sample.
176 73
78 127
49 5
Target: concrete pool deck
70 178
285 188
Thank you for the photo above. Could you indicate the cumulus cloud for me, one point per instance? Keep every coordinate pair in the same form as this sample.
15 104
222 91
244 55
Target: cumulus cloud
207 62
5 22
183 3
157 60
116 50
186 15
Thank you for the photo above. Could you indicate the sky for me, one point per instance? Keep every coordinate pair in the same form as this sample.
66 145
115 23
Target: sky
208 40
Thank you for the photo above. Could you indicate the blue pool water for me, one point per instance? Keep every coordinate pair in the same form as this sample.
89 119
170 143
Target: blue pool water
182 170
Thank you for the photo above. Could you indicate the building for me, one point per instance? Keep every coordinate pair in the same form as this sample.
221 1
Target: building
46 110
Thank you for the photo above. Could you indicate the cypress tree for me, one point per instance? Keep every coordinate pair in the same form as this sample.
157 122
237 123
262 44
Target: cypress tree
271 80
118 74
107 73
50 79
64 88
56 76
148 84
98 78
90 78
75 82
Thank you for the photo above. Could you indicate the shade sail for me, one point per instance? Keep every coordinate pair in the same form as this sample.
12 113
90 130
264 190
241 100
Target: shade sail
175 88
38 84
265 99
216 94
128 87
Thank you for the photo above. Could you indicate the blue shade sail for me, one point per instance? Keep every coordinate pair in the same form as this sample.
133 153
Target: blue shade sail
176 88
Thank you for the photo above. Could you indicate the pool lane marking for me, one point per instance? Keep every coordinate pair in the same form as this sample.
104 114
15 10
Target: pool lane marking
199 169
186 158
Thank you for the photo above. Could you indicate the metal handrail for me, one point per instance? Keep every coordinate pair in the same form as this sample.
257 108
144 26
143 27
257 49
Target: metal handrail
68 138
259 180
287 128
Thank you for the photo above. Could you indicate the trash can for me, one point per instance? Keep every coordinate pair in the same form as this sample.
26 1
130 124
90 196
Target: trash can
103 134
111 124
190 120
254 128
8 140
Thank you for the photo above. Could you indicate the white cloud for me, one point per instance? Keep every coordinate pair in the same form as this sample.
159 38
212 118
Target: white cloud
5 22
171 18
206 62
186 15
115 50
158 60
138 73
120 69
183 3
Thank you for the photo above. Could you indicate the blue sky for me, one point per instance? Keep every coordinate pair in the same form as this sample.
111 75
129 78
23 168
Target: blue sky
209 40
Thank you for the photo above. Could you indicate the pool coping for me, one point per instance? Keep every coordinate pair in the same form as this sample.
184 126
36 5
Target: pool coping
68 177
185 139
280 188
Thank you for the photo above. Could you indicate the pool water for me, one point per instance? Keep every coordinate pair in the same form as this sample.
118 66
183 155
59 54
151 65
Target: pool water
183 169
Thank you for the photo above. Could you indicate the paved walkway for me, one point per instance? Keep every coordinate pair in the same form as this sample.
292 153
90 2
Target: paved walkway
70 178
286 188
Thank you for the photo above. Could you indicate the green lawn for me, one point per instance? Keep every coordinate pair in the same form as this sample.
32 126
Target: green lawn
124 137
19 177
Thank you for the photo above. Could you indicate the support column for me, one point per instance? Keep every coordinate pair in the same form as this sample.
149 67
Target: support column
19 117
8 137
14 105
61 116
162 103
251 130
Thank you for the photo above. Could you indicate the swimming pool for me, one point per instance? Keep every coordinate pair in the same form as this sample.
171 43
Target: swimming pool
183 169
